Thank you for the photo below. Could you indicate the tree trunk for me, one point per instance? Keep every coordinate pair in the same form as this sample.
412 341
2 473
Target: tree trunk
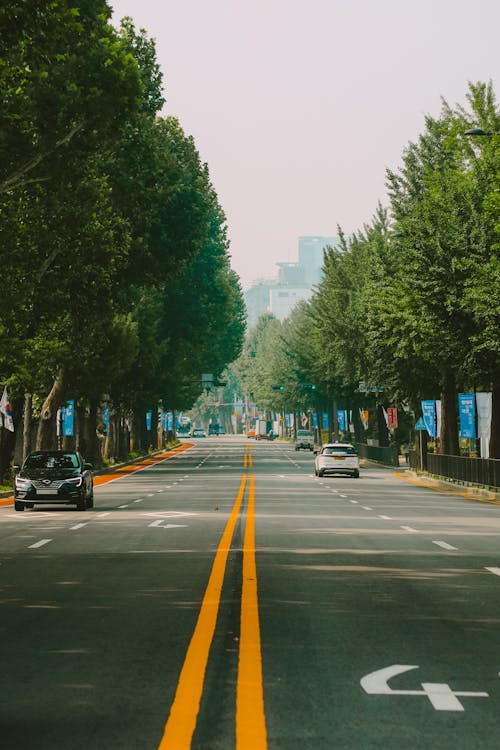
449 418
46 438
383 432
495 421
28 403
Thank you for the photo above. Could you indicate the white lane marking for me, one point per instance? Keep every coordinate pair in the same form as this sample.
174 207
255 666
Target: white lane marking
445 545
496 572
175 526
343 496
159 491
157 523
410 528
103 515
39 544
138 501
78 526
386 518
150 495
123 506
366 507
354 502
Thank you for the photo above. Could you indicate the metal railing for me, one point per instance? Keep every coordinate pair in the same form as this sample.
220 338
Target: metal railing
482 471
387 456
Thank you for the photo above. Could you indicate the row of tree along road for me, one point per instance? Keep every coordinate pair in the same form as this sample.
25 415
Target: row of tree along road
117 288
409 306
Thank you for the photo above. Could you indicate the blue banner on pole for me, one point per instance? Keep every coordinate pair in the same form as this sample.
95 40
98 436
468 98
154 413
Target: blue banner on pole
68 418
314 419
149 418
105 419
429 416
325 420
342 420
170 421
164 420
467 414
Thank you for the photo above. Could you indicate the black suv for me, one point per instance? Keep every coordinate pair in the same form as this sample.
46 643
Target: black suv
48 477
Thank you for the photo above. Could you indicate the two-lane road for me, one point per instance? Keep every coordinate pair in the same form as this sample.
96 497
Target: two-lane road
226 598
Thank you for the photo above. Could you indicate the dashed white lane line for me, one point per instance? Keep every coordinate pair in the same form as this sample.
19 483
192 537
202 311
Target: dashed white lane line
386 518
103 515
445 545
78 526
343 495
410 528
150 495
138 501
39 544
495 571
366 507
123 506
354 502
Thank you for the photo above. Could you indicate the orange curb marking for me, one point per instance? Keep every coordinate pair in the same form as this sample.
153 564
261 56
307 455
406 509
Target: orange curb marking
124 471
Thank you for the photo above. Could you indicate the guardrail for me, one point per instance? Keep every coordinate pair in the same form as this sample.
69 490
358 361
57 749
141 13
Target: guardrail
481 471
387 456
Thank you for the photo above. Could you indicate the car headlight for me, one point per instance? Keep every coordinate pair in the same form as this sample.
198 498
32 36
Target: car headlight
22 484
75 481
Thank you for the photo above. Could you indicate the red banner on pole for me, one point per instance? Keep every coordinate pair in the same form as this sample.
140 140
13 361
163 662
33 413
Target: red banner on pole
392 417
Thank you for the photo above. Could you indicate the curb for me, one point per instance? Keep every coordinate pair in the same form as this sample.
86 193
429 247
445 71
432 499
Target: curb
441 485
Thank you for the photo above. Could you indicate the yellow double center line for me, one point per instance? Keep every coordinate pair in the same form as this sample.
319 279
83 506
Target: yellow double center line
250 716
247 457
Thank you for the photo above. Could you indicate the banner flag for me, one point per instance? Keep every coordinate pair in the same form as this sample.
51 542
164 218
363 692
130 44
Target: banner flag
392 417
342 420
6 411
467 414
484 404
149 419
363 415
429 416
68 418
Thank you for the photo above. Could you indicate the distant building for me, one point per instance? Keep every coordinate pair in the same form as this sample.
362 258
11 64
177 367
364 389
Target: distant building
295 281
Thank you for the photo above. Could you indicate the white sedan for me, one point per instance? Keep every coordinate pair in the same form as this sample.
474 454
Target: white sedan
337 458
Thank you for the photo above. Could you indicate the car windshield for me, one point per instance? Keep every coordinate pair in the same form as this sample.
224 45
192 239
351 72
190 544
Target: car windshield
332 450
52 461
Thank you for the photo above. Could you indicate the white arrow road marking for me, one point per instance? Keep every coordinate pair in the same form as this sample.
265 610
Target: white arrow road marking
445 545
441 696
157 523
39 544
495 571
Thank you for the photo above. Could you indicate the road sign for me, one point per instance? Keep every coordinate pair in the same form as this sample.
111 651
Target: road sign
442 697
420 424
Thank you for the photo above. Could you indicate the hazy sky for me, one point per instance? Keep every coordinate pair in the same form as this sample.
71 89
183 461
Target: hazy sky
299 106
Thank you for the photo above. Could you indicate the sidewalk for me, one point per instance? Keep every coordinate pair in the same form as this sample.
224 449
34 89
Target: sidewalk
449 487
118 471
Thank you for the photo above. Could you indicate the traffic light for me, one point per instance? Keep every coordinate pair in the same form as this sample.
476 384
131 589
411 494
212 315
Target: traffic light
278 387
309 387
220 383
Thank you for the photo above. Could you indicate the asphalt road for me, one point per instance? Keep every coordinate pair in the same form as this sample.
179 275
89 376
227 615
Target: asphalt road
227 598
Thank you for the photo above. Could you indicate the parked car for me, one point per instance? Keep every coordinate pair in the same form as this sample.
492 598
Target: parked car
337 458
214 429
251 433
305 439
49 477
198 432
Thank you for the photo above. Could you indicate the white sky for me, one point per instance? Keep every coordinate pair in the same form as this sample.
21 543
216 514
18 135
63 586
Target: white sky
299 106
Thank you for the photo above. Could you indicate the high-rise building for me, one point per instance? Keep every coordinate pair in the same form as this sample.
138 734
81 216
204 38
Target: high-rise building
295 281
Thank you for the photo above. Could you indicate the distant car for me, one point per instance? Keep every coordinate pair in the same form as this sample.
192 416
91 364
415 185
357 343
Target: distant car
251 433
337 458
198 432
50 477
305 439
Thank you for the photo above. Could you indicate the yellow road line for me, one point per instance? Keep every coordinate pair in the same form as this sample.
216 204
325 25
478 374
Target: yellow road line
181 722
250 717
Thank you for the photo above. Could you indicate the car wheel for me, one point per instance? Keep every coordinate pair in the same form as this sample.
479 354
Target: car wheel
18 506
90 499
321 473
80 503
356 474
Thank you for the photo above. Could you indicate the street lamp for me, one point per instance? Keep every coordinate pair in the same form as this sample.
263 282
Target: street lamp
478 131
